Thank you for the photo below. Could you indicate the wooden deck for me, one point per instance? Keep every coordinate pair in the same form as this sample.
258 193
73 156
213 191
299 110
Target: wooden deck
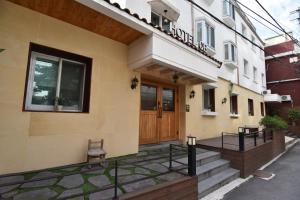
230 142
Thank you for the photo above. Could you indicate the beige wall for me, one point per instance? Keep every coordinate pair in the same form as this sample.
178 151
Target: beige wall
37 140
212 126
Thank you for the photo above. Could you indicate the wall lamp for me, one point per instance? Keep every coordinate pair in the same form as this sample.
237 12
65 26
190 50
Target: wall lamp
224 100
192 94
134 83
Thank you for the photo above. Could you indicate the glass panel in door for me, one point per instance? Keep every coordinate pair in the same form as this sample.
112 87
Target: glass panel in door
168 99
148 97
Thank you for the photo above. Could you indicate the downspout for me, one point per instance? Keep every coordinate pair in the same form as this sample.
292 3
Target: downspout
193 20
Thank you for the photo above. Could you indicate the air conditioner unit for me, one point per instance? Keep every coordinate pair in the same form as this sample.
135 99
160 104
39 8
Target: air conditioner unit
286 98
265 92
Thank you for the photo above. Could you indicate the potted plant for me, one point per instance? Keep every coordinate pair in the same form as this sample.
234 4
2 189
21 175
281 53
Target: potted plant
273 123
293 115
58 103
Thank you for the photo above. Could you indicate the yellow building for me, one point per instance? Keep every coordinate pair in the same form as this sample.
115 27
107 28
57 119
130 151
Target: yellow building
89 64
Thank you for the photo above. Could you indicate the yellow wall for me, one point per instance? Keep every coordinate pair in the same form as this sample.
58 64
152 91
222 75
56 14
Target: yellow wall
212 126
37 140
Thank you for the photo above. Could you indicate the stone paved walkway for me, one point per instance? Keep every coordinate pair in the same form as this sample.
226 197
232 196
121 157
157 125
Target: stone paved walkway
81 181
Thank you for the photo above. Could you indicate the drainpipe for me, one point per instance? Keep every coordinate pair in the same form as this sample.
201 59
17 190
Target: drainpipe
193 20
238 70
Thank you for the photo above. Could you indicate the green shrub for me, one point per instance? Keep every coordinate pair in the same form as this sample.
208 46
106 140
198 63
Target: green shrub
273 122
293 114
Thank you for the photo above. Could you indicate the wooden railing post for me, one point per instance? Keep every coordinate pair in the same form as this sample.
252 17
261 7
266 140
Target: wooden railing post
241 139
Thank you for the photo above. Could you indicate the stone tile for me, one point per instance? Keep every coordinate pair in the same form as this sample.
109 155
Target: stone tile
99 181
156 167
9 194
139 185
11 179
104 195
140 170
120 172
42 194
42 183
70 169
96 172
71 192
71 181
7 188
128 178
170 177
142 153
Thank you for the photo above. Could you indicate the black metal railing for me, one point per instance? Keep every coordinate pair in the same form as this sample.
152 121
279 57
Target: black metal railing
245 138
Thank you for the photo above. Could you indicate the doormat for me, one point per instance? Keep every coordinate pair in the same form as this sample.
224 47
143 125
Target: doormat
264 175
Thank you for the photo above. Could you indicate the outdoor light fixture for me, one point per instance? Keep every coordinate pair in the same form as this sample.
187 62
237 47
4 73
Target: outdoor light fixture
166 20
224 100
192 94
191 140
175 78
134 83
241 129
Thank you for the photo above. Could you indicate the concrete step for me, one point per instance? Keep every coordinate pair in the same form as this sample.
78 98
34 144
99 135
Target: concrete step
207 170
201 158
216 181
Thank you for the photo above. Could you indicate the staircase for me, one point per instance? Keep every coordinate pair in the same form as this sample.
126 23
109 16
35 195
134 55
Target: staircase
212 171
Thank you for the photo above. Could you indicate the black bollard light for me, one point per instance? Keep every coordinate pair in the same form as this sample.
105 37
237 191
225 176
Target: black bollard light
191 143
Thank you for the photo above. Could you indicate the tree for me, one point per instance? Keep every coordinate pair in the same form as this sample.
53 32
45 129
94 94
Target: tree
293 115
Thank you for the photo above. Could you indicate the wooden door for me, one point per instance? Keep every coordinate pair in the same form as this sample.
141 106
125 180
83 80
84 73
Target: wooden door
158 121
148 114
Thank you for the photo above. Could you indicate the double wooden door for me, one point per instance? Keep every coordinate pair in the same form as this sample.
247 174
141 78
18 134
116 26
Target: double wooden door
158 115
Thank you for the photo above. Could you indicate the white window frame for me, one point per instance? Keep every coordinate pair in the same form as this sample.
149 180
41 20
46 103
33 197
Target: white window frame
30 81
230 45
206 34
228 9
161 20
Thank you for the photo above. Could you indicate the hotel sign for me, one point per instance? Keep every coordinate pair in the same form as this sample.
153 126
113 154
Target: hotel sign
188 38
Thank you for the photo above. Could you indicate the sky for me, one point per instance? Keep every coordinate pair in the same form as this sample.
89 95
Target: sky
280 10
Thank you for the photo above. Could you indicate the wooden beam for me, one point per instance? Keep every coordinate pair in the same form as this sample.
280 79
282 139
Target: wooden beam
153 67
166 71
197 81
188 78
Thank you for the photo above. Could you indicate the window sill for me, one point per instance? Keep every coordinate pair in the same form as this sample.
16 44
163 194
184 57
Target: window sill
210 51
231 64
231 115
55 111
208 113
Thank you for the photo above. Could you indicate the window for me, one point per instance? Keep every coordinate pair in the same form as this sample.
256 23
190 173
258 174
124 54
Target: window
234 104
161 21
228 9
246 67
250 107
254 74
244 30
57 78
148 97
209 100
230 52
262 109
253 42
206 33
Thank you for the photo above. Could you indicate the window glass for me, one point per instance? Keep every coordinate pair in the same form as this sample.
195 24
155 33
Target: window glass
71 87
250 107
233 104
155 19
226 52
199 31
148 97
212 33
232 52
45 81
206 99
168 100
245 67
